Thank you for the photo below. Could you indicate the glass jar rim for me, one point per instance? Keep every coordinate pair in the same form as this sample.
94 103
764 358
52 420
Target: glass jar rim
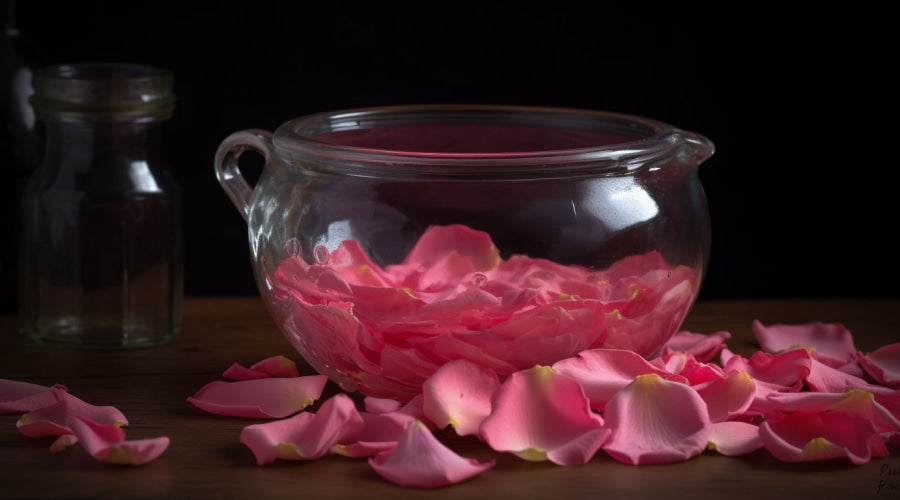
624 142
103 90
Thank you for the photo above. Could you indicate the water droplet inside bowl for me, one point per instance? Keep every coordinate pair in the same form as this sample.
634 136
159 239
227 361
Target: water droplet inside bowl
292 247
321 255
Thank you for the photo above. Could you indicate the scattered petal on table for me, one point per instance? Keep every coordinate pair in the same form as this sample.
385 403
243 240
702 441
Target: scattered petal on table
274 397
459 394
363 449
703 347
734 438
886 396
305 436
381 405
684 367
831 343
415 408
54 420
603 372
420 460
656 421
240 372
380 432
727 396
856 401
812 437
883 364
787 369
273 366
277 366
20 397
63 442
824 378
40 427
107 443
539 414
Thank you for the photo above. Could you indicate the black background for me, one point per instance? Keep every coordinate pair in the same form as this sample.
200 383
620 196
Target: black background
799 102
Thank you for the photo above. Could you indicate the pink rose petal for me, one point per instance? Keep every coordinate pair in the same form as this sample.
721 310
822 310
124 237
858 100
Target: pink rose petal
603 372
787 369
380 433
883 364
385 426
419 460
342 344
21 397
459 395
703 347
350 259
728 396
275 397
684 367
651 318
437 242
656 421
305 436
40 427
239 372
363 449
107 443
831 343
408 365
63 442
762 406
54 420
539 414
824 378
886 396
381 405
856 401
273 366
734 438
277 366
812 437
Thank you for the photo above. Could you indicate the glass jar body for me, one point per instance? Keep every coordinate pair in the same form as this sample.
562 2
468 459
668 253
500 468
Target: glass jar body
102 245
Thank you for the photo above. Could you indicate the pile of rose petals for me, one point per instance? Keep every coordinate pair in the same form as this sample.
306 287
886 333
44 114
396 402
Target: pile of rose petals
384 331
807 395
53 411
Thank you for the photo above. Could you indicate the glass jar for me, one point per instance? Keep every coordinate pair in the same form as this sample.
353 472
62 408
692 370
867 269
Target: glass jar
388 241
102 243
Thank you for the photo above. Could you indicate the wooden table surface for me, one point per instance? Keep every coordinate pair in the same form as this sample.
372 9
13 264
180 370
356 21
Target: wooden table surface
206 460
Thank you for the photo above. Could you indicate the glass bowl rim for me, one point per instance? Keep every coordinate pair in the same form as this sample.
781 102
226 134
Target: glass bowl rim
648 141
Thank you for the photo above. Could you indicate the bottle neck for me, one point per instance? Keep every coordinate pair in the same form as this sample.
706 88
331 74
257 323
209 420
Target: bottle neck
8 19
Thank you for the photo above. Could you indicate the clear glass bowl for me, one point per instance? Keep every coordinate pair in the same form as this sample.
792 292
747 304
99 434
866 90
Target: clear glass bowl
388 241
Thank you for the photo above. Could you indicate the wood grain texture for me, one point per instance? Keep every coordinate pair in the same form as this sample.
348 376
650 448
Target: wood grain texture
206 460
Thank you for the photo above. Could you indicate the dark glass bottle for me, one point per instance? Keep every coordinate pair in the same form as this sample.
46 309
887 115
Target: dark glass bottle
102 245
19 57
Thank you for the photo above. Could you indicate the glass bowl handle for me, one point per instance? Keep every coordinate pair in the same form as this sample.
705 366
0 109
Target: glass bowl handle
227 171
